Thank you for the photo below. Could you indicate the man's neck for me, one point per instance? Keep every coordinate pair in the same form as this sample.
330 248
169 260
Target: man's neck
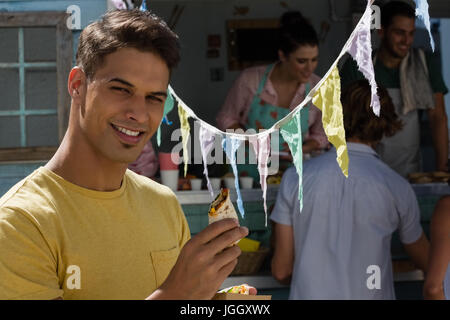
85 169
357 140
389 60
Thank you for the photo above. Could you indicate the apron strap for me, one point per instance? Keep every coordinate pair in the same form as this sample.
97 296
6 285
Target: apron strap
304 113
263 81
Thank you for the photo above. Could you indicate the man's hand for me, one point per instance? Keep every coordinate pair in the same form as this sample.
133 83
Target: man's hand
204 263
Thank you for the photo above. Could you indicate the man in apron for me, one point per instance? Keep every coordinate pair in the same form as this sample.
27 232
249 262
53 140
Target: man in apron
414 83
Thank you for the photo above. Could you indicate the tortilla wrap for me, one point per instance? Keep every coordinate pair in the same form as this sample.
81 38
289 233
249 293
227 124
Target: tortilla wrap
222 207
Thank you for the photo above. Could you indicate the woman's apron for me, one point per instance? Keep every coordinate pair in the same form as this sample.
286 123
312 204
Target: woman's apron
263 115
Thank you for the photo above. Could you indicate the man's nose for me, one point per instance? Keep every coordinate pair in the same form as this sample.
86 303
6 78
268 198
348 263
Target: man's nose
408 40
137 111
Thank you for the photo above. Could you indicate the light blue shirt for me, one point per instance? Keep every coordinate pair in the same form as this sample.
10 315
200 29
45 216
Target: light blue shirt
346 225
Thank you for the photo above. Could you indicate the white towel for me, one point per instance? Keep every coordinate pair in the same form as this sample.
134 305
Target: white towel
415 82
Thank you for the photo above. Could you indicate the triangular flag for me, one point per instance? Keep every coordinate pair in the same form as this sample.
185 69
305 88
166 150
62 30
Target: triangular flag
230 146
422 11
119 4
328 99
143 6
185 132
168 106
261 147
361 51
292 134
207 139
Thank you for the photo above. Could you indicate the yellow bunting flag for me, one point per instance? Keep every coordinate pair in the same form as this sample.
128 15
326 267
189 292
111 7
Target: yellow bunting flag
185 130
328 99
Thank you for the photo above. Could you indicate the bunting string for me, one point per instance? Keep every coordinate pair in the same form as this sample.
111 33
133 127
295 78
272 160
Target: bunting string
325 96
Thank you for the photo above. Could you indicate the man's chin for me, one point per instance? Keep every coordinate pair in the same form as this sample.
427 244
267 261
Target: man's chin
127 156
400 53
397 53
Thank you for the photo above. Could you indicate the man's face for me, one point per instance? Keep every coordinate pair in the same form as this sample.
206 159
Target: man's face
399 36
124 104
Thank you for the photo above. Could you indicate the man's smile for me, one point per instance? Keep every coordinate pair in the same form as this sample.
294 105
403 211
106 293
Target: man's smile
128 135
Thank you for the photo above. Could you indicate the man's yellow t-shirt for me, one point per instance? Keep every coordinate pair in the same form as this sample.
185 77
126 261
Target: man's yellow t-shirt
61 240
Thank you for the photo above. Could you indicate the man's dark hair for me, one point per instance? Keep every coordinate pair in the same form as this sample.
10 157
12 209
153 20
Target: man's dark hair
295 31
393 9
360 121
126 29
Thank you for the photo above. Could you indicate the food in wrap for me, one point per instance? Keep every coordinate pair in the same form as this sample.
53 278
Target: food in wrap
222 207
242 289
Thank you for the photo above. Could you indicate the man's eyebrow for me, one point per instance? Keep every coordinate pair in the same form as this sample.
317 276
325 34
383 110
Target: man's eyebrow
122 82
159 93
156 93
403 30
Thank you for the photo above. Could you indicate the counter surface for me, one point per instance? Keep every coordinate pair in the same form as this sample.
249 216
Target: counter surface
266 281
204 197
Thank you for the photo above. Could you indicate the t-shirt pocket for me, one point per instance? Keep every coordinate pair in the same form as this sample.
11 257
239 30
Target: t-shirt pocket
163 262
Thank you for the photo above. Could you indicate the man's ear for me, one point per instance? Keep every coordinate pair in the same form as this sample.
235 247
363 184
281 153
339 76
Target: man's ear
77 83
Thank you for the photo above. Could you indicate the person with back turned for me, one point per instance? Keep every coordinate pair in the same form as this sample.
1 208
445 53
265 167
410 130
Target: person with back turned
339 245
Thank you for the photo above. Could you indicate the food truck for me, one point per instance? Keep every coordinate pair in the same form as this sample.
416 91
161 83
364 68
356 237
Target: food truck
219 39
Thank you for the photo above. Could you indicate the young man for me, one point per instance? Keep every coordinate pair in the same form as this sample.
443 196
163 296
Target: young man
338 247
414 82
85 227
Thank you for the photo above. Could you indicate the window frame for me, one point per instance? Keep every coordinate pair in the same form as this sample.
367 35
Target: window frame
64 56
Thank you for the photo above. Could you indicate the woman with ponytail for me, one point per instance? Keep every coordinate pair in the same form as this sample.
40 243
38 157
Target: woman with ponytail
263 95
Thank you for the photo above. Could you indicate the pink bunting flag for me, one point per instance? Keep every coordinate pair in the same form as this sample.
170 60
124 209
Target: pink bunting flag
361 51
119 4
261 147
422 11
207 139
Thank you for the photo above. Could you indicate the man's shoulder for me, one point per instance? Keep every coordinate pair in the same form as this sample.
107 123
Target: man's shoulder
321 161
27 198
27 190
384 177
434 66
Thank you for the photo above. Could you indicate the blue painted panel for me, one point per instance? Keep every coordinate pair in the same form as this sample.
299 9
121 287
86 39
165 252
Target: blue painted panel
91 10
11 173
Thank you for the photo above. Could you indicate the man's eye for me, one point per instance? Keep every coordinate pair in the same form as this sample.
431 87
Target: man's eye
154 98
119 89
